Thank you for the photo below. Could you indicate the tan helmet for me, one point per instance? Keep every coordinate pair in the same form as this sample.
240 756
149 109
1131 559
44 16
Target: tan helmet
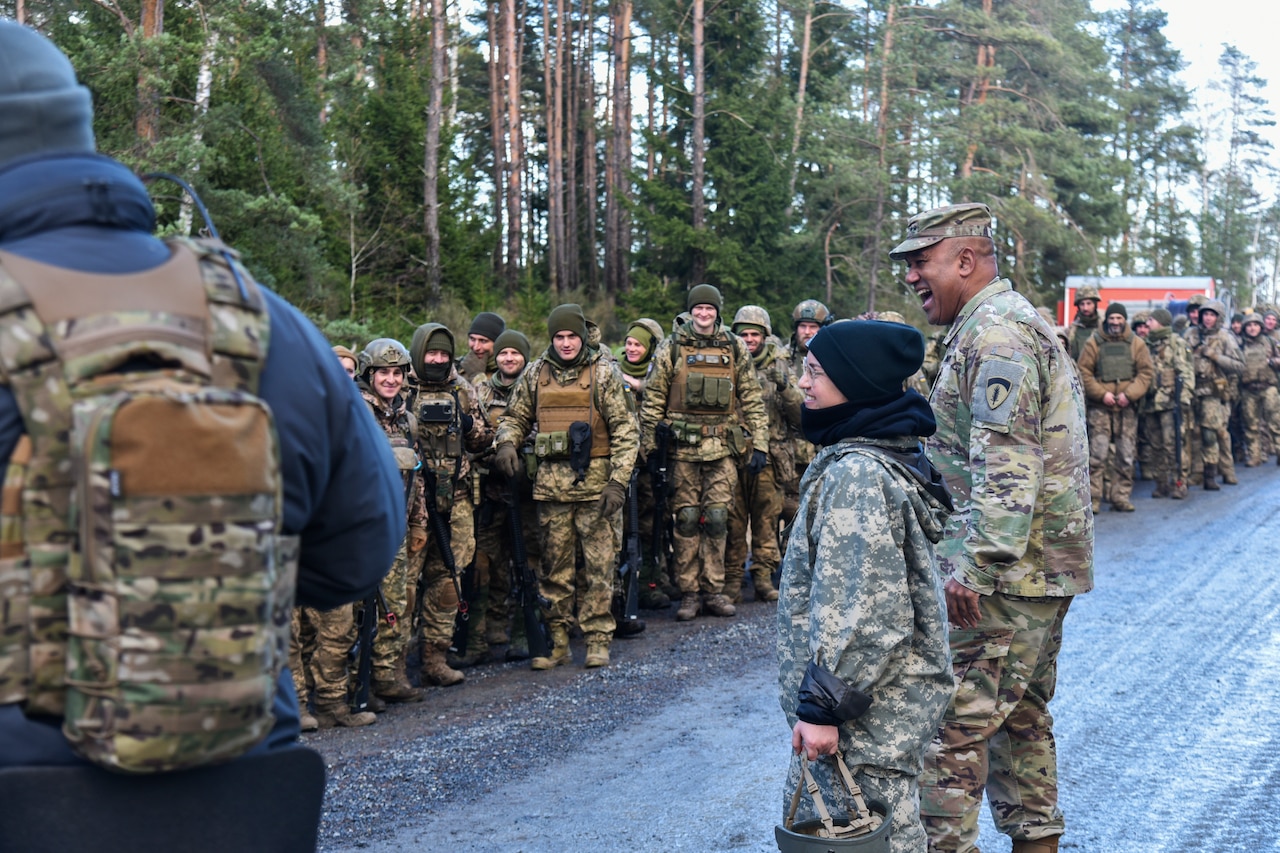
811 311
1087 291
891 317
1196 300
383 352
1216 306
752 315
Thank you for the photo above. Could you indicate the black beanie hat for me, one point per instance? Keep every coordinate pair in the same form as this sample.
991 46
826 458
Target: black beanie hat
511 339
567 318
868 360
1116 308
43 110
487 324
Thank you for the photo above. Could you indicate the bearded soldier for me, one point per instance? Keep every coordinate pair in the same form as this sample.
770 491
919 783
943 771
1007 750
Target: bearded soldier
1086 321
1217 362
1260 403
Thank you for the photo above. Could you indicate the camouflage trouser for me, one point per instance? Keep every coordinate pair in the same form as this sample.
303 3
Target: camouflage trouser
899 792
1260 411
335 634
1163 449
1215 439
998 732
389 646
302 644
756 500
566 527
700 503
493 543
1105 427
439 603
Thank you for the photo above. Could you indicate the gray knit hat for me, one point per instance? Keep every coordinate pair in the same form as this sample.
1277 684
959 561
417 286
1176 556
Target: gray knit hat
43 110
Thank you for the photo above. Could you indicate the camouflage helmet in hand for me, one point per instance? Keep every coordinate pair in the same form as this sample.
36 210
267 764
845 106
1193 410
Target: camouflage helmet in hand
382 352
811 311
752 315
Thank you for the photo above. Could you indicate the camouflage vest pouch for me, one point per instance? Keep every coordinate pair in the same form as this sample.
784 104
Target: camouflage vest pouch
158 586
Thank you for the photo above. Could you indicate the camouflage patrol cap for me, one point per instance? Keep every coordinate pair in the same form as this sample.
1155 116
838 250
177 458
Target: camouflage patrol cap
811 311
934 226
1087 291
752 315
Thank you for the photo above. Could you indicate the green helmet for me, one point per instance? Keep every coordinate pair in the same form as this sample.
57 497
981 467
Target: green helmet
382 352
752 315
1087 291
811 311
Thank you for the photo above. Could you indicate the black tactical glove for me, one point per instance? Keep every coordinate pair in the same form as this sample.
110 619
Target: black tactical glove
612 499
826 700
467 423
758 460
507 460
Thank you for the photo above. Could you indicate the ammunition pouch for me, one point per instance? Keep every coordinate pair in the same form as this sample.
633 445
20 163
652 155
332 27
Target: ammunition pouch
579 449
686 433
551 445
738 440
708 392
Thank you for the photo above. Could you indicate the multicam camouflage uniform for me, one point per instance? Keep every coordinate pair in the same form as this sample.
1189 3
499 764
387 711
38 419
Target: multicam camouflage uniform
757 500
861 595
703 471
1260 401
1217 361
1171 361
1011 438
1113 364
567 504
1082 328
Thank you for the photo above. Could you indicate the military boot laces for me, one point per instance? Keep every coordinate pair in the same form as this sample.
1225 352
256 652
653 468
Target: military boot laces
718 605
690 604
1040 845
597 651
1211 478
436 670
764 586
399 690
560 652
341 715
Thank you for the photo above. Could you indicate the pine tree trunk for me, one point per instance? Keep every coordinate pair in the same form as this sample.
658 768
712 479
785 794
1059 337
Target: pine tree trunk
496 134
801 86
512 49
882 145
431 158
204 89
617 238
699 152
587 114
147 121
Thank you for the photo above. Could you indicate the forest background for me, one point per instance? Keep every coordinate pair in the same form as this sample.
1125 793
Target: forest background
382 163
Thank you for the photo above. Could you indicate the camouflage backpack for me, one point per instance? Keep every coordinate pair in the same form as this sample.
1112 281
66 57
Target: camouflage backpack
147 583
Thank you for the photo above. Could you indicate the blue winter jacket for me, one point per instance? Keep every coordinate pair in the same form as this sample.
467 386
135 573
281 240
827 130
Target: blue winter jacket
342 490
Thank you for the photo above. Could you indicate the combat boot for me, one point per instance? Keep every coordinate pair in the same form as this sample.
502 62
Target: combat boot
375 704
560 651
1161 490
397 690
718 605
1121 505
1040 845
436 670
1211 478
340 714
732 588
764 585
475 656
1229 476
1179 491
597 650
308 722
690 604
628 628
653 598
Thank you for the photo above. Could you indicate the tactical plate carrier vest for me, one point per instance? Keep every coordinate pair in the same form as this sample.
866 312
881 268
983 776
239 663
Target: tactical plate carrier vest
1115 361
703 380
147 586
560 406
1257 367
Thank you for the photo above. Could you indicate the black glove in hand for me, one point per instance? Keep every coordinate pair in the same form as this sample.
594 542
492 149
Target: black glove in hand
507 460
758 460
825 699
612 499
467 423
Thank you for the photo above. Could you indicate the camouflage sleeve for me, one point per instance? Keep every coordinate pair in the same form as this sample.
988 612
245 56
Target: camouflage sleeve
1145 370
418 503
1227 355
517 420
1183 367
750 398
790 397
1088 363
480 437
619 414
1000 384
653 407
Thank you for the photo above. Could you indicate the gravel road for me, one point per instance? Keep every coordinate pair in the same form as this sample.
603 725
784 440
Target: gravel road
1166 718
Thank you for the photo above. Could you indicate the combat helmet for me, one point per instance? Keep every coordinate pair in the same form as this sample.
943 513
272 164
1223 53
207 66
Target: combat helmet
752 315
811 311
1216 306
382 352
1197 300
1087 291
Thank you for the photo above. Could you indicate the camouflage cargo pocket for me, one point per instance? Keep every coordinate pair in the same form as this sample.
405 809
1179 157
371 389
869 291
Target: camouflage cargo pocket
977 660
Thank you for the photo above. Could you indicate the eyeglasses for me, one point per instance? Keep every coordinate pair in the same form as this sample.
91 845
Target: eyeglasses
811 373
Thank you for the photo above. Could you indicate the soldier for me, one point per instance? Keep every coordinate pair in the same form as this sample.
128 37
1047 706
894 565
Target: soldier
1193 310
347 359
1086 321
586 448
478 364
757 499
1168 402
1217 362
1260 403
1010 440
702 383
450 428
1115 367
808 317
1270 319
1139 324
384 368
861 594
1237 326
512 353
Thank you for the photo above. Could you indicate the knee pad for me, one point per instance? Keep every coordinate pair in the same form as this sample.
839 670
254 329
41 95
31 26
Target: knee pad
717 523
687 518
1208 437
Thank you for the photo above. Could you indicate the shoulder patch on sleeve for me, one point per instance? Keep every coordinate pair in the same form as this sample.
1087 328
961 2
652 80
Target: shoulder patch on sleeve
995 395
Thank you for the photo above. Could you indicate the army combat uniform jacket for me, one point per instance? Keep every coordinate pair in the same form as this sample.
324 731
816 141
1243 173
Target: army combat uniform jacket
1011 445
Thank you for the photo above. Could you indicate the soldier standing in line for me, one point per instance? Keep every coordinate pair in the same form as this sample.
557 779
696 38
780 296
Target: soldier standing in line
1270 320
757 499
1192 319
1086 321
1115 367
808 317
450 429
586 449
1217 362
512 353
479 364
384 368
1260 402
1172 362
702 383
1011 436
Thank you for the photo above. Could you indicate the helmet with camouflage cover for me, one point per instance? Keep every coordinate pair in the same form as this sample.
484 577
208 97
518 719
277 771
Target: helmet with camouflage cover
752 315
1216 306
1196 300
382 352
811 311
891 317
1087 291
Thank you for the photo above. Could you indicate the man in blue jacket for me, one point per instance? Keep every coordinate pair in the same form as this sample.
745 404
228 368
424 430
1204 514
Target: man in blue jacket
65 206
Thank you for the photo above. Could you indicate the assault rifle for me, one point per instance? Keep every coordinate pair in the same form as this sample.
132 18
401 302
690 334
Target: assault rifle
658 478
630 568
1177 430
531 599
440 530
